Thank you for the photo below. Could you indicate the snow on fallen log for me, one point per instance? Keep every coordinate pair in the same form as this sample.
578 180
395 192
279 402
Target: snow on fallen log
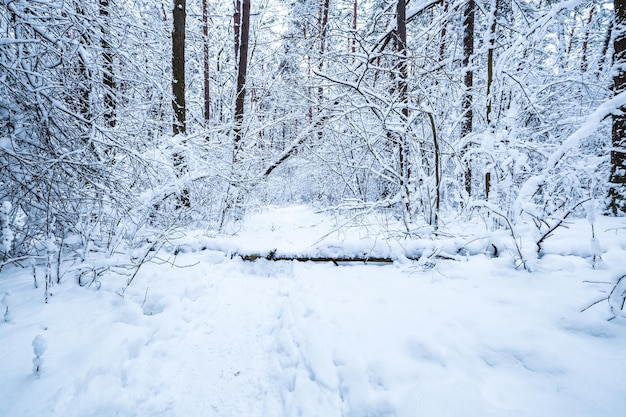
368 251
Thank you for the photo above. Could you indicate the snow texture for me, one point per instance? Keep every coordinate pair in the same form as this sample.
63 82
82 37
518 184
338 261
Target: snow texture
207 334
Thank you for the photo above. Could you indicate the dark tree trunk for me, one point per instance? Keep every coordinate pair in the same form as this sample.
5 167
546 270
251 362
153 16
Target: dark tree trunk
207 83
323 24
490 61
84 86
354 25
402 52
468 114
242 71
323 30
234 196
402 85
605 49
108 78
583 60
178 66
617 180
444 30
178 89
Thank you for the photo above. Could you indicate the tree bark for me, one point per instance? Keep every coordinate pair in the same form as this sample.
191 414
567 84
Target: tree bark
490 61
323 30
242 71
178 67
444 30
468 114
583 59
354 25
402 85
617 179
205 42
84 75
108 78
178 90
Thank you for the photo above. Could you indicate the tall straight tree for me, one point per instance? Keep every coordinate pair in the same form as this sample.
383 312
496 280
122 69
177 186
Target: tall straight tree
323 27
490 60
322 22
234 197
178 89
468 114
108 79
205 72
242 70
178 66
402 86
617 180
354 25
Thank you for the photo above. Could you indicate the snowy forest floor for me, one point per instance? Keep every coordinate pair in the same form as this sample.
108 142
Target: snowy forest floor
207 334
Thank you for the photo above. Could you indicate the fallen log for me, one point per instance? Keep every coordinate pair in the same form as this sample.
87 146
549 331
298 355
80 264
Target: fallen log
323 259
273 256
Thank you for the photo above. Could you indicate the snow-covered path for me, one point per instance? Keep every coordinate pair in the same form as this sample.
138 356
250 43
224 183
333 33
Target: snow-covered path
214 336
382 343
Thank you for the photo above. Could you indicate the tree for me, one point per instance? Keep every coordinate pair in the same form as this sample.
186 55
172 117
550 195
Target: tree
468 113
179 14
108 78
402 87
63 170
490 61
617 180
242 70
205 72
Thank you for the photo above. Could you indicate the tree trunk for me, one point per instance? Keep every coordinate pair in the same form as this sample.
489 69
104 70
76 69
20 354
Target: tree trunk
490 61
178 90
207 83
323 24
444 30
107 79
583 59
605 49
323 28
468 114
402 85
178 66
234 197
354 25
617 180
84 75
242 71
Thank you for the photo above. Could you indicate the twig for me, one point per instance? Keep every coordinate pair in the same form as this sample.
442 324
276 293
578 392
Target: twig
141 262
593 304
145 297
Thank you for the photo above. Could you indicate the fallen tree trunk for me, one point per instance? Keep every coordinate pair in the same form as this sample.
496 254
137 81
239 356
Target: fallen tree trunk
273 256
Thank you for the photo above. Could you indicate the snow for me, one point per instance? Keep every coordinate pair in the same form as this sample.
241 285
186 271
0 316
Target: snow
201 333
39 345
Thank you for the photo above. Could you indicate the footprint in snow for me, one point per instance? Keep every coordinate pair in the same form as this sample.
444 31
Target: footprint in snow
423 350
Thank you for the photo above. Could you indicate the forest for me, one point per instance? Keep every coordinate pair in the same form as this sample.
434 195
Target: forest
270 208
127 119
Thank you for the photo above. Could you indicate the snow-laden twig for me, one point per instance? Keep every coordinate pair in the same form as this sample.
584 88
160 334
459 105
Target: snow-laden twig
617 299
516 241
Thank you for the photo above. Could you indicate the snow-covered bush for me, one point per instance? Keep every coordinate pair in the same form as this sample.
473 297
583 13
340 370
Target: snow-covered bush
6 233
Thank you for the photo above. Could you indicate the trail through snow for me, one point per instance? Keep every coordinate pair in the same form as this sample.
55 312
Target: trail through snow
214 336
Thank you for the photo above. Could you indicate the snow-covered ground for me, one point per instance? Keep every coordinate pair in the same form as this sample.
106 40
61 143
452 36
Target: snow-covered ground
199 333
